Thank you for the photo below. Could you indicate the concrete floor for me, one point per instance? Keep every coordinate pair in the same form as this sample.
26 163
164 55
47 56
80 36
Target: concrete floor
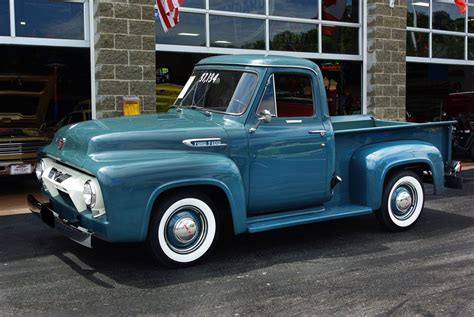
344 267
13 191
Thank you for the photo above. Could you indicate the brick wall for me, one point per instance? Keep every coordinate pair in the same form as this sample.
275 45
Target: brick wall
124 54
386 59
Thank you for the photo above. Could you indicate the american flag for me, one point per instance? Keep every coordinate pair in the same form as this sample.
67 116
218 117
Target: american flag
461 4
168 12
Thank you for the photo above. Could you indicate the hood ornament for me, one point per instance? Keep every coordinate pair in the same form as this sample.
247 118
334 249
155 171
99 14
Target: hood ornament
61 143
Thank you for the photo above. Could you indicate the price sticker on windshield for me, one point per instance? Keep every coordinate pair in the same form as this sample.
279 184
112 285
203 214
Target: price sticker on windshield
209 78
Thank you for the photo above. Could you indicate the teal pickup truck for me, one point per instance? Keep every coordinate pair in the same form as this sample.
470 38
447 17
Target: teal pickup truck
249 146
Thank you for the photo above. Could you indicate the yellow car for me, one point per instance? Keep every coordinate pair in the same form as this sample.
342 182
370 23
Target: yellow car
24 100
166 94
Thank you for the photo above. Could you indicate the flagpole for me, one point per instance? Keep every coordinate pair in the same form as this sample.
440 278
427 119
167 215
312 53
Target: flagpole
92 59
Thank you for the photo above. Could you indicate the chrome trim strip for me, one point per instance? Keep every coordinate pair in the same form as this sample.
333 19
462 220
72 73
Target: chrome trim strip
320 132
204 142
294 121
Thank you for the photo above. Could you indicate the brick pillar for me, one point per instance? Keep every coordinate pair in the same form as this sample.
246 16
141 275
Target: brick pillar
386 59
124 54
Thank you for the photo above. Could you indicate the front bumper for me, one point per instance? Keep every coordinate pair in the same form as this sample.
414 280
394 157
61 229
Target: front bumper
71 229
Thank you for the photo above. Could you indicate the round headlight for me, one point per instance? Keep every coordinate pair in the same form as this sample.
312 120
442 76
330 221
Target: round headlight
89 194
39 170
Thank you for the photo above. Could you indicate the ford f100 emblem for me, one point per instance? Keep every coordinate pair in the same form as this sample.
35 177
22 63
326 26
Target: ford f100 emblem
209 142
61 143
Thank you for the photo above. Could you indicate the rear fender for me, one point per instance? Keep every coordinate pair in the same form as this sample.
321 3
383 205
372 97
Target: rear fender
370 165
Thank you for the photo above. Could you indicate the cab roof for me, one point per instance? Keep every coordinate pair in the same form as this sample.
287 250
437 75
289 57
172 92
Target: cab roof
260 60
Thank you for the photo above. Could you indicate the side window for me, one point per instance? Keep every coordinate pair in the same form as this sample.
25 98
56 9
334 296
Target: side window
268 99
294 95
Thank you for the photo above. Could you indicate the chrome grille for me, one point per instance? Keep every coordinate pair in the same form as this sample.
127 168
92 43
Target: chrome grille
18 148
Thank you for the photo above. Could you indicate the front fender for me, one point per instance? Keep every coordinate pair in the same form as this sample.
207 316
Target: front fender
131 188
370 165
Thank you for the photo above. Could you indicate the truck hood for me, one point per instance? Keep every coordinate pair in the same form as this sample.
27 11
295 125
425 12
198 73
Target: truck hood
98 139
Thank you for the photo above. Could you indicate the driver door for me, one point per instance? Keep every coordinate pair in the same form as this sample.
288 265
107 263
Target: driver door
288 154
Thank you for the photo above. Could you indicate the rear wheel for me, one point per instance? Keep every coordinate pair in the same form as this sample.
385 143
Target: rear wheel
403 199
183 229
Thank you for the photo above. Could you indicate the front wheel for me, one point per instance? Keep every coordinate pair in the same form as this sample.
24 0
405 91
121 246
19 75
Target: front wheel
183 229
403 199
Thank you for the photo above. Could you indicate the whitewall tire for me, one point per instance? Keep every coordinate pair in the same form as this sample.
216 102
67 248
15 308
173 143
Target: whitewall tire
183 229
403 200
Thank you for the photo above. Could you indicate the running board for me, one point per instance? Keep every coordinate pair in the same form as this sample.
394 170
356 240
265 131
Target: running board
305 216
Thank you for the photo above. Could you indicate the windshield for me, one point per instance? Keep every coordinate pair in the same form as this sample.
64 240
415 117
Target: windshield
226 91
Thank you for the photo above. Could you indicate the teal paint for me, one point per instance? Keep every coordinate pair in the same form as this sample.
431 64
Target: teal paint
278 168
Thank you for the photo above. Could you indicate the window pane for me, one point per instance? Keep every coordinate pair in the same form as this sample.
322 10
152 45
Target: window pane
4 17
307 9
470 19
446 16
287 36
343 10
340 40
294 95
49 19
417 44
448 46
191 30
255 6
194 4
237 32
418 13
470 47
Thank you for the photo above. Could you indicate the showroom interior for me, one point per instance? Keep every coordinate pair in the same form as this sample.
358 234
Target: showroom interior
75 48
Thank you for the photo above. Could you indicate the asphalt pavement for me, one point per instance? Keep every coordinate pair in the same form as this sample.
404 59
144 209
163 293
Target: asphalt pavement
344 267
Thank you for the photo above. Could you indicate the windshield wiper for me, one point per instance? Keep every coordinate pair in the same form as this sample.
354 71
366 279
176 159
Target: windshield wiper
200 109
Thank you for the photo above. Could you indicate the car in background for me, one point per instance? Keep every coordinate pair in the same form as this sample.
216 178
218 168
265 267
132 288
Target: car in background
73 117
166 94
81 112
460 107
24 101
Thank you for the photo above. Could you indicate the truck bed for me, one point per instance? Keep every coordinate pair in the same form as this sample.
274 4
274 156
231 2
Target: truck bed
354 132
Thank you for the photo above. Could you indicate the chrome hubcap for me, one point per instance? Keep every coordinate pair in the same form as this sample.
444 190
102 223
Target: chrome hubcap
186 229
403 201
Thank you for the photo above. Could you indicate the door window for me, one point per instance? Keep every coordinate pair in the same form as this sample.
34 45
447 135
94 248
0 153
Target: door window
288 95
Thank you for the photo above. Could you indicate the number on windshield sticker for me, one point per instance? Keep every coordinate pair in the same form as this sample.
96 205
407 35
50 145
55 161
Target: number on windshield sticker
208 78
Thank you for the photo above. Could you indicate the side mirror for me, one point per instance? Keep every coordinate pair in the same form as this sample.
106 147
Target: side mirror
264 116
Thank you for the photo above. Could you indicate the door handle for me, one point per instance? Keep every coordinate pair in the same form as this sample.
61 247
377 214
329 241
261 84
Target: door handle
320 132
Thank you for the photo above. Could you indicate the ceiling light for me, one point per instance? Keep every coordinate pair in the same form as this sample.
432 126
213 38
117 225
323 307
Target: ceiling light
188 34
421 4
222 42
